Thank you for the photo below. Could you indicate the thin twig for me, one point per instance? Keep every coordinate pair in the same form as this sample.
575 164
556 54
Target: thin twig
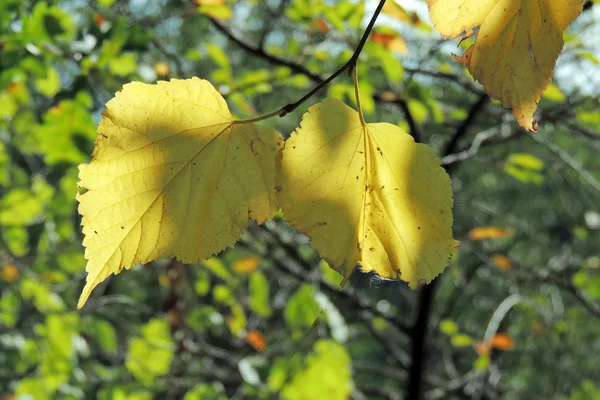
351 63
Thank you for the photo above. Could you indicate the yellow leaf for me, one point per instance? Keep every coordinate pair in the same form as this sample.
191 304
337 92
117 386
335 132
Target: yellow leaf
246 265
396 11
217 11
367 194
172 175
209 2
516 47
162 69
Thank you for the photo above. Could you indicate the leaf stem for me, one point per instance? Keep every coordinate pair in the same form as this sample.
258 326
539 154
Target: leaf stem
350 64
357 94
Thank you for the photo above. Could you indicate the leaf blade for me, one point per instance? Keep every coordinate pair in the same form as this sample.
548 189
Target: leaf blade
172 175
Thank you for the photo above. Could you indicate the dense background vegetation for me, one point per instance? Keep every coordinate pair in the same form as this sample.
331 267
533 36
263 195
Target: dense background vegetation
515 316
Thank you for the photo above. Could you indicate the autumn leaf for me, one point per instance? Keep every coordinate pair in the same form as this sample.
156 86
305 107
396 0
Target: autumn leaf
482 348
391 41
490 232
256 340
9 272
322 25
516 48
501 261
367 194
246 265
172 175
396 11
501 341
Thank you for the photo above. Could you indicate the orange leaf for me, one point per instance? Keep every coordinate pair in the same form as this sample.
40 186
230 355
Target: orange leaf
256 340
10 272
501 261
502 341
489 232
322 25
99 19
246 265
482 348
390 41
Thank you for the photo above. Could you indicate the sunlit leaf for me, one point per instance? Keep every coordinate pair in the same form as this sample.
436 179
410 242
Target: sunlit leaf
516 48
172 175
367 194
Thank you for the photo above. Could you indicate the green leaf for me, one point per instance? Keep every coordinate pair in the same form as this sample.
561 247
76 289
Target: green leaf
19 207
461 340
10 307
481 363
204 391
103 333
301 309
448 327
326 375
259 294
149 356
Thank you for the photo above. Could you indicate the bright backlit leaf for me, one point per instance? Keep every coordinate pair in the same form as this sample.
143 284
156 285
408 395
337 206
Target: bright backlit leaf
516 48
367 194
172 175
